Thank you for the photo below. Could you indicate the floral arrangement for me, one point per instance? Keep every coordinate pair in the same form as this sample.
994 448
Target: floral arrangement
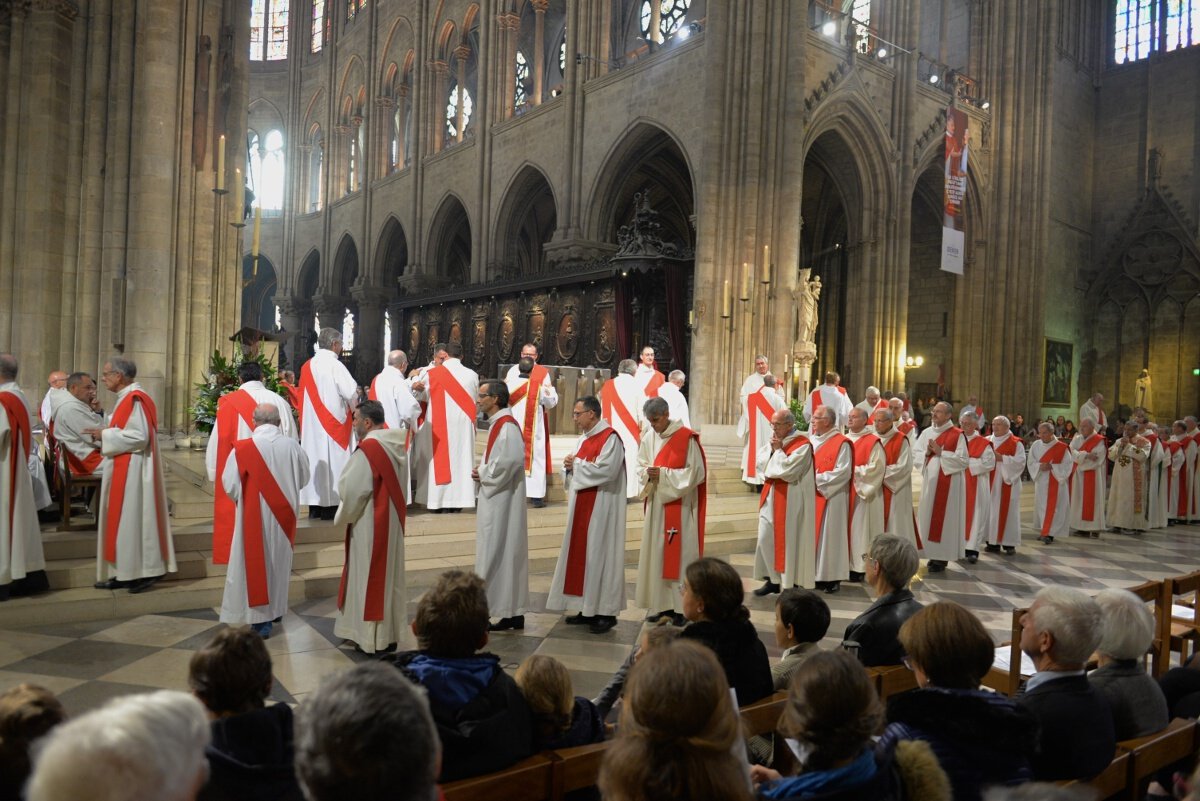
221 378
797 407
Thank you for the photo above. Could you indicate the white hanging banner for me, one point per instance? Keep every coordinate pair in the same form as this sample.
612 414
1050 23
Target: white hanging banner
955 194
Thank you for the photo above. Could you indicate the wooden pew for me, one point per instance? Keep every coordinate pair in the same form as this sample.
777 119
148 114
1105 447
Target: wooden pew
1009 681
762 717
528 780
892 680
1152 753
575 768
1111 782
1183 631
1159 594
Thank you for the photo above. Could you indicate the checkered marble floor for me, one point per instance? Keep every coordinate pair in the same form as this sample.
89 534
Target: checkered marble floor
88 663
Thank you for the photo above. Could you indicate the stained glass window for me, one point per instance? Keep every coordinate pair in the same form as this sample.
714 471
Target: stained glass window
265 169
387 330
522 78
860 12
318 25
452 110
258 25
268 30
671 16
1142 27
562 57
348 331
353 7
316 179
1182 24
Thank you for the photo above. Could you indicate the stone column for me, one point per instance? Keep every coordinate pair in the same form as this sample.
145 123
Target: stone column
339 170
438 71
655 32
389 132
539 48
508 26
403 106
358 146
461 54
330 310
368 339
292 320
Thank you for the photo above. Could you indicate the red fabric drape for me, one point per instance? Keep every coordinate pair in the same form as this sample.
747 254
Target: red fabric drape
675 276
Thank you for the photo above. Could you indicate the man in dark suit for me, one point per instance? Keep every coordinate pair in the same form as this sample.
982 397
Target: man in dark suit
1059 632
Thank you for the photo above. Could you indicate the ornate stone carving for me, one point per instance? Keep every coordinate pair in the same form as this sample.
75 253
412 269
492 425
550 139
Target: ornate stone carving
505 334
825 87
643 235
566 340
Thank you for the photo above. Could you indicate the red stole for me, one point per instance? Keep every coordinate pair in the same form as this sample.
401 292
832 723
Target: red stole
386 492
494 433
258 484
1089 478
756 404
532 389
610 402
294 396
82 467
338 430
948 439
1180 475
657 379
585 503
905 426
673 456
236 405
120 474
878 407
19 445
1006 448
975 449
442 383
891 450
824 460
373 394
779 504
1053 455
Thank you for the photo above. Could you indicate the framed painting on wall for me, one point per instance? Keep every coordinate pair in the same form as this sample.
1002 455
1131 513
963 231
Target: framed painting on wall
1056 373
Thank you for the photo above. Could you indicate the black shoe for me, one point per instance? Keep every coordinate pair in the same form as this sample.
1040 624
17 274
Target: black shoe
112 584
856 577
141 585
936 566
1009 550
768 588
603 624
1047 540
990 548
832 586
580 620
278 619
314 513
972 557
1095 535
328 512
537 503
508 623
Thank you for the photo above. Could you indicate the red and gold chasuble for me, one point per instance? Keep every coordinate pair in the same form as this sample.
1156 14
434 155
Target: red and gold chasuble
1053 455
386 492
120 476
258 484
779 504
673 456
948 439
585 504
236 405
1006 448
532 391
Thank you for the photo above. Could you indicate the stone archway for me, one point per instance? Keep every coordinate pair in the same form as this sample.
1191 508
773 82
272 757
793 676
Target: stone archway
527 221
258 288
450 243
931 299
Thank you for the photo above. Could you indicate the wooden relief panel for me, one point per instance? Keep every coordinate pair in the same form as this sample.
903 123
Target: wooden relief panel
506 333
566 340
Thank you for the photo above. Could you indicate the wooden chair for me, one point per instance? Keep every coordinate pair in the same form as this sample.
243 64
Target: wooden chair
528 780
575 768
1183 632
762 717
1111 782
1009 681
1152 753
69 484
1159 594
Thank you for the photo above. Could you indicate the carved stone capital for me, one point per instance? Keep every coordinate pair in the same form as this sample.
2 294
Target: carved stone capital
385 102
462 53
508 22
329 305
356 121
438 67
418 283
67 9
403 91
540 6
341 130
370 296
290 306
577 250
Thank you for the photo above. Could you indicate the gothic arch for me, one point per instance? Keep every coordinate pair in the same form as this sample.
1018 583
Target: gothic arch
858 124
313 113
353 77
308 279
259 286
261 113
399 40
525 222
391 253
345 266
449 242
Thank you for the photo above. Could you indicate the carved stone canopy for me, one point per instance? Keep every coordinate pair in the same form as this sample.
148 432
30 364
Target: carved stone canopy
642 238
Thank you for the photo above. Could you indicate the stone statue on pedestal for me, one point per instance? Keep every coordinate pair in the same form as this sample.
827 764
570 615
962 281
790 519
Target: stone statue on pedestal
805 297
1142 392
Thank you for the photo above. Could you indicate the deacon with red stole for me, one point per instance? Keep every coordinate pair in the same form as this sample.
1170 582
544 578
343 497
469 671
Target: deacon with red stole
134 547
450 389
1127 498
898 517
870 464
1192 459
400 407
762 368
648 377
1093 409
754 428
1159 464
621 400
22 563
263 476
674 482
1089 451
291 392
501 526
372 601
903 421
590 574
833 469
326 428
942 456
1050 463
235 412
421 442
787 541
1004 513
830 394
530 394
1177 495
981 463
71 417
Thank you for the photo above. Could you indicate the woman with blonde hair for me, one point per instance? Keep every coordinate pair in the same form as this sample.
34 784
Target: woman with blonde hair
560 718
678 732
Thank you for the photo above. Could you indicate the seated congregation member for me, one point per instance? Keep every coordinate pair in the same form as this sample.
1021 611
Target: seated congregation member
561 719
482 719
678 732
148 746
1127 630
347 745
654 635
250 756
832 713
980 738
27 713
890 564
801 620
1059 632
712 601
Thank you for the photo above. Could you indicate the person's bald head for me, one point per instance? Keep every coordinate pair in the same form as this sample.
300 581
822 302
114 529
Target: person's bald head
1087 427
769 380
896 406
266 414
941 413
1000 425
398 359
57 379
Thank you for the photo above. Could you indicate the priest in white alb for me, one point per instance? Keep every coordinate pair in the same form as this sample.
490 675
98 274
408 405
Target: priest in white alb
870 402
754 428
450 390
899 517
134 546
870 464
1004 514
71 419
1177 494
1089 451
786 552
1049 463
833 469
328 393
672 393
942 457
647 375
1192 454
530 394
1158 468
1127 497
1093 409
903 420
762 368
33 461
235 413
372 600
501 525
262 475
57 380
22 563
590 574
833 395
400 408
981 463
675 492
621 400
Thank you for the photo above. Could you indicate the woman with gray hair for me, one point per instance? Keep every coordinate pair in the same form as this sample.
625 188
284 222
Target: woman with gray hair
890 564
1127 630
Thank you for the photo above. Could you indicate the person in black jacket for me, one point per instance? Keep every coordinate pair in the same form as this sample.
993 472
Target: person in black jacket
560 718
712 601
482 719
1059 632
250 757
890 564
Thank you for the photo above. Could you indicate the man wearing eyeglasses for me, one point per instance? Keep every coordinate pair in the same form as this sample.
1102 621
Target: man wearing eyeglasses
786 550
590 575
